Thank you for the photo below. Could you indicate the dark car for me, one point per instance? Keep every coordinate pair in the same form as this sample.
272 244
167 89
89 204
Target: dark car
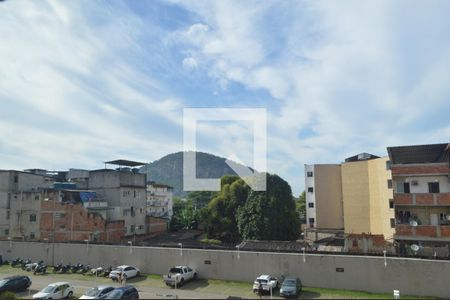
124 292
15 284
291 287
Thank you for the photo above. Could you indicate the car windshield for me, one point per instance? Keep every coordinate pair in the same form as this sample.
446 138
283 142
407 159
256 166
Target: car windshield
115 294
175 270
289 282
3 282
92 292
119 269
48 289
262 281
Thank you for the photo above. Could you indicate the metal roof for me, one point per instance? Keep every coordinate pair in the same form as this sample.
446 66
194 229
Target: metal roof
124 162
417 154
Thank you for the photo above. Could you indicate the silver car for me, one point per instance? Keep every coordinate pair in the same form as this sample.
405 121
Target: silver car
291 287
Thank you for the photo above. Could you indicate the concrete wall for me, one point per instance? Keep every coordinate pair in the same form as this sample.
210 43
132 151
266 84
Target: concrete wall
380 194
410 276
328 191
356 194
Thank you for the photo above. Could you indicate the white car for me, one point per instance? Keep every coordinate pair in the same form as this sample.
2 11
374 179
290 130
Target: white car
57 290
128 270
98 292
266 283
179 275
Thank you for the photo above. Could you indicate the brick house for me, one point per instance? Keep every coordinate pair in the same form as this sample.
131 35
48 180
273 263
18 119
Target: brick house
421 182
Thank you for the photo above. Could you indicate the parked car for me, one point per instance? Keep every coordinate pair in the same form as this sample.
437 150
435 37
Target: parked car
179 275
57 290
128 270
98 292
291 287
265 283
15 284
124 292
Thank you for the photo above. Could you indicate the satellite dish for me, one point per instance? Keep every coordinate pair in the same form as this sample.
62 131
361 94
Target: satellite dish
413 223
415 247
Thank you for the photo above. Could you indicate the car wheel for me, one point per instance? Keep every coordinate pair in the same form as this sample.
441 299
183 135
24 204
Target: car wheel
69 295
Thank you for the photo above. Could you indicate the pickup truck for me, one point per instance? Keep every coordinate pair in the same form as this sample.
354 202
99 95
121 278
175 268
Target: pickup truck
265 283
179 275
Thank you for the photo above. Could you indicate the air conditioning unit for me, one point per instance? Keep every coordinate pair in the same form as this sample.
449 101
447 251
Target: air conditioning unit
414 182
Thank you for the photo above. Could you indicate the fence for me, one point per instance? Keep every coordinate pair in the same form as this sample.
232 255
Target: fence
365 273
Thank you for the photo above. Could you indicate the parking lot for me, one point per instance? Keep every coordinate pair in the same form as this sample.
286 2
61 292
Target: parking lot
152 286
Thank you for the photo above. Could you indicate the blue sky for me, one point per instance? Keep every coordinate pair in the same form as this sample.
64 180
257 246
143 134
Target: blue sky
82 82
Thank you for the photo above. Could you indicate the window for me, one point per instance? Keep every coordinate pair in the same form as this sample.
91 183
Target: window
433 187
391 203
388 165
355 243
310 190
32 235
311 205
132 228
392 223
16 179
7 215
406 189
124 193
62 227
389 183
311 220
309 174
36 197
6 231
141 227
32 218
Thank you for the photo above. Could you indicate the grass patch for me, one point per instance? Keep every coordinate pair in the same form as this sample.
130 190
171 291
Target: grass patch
210 241
323 292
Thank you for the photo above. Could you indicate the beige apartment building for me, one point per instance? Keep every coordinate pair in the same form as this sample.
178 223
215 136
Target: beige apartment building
354 196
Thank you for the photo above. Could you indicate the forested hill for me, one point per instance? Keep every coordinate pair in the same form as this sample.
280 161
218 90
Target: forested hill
169 169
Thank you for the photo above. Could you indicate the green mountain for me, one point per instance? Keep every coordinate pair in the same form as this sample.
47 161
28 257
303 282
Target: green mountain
169 170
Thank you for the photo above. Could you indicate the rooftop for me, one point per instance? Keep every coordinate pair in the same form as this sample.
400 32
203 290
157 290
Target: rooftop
124 162
417 154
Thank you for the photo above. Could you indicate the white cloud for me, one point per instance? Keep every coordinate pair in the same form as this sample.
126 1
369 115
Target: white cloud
190 63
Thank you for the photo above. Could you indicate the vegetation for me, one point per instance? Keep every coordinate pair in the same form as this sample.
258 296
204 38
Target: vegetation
300 207
211 241
221 213
185 216
7 295
269 215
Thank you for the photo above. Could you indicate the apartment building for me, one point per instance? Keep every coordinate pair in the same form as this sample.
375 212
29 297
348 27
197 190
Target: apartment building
353 196
324 206
12 184
159 200
125 192
421 181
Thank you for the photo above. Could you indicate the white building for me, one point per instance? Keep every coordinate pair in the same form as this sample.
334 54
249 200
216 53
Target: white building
159 200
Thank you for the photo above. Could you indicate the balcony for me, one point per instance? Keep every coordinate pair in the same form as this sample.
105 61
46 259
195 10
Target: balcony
422 199
422 232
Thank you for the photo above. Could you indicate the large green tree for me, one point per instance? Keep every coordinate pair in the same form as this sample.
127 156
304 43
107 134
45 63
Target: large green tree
269 215
221 222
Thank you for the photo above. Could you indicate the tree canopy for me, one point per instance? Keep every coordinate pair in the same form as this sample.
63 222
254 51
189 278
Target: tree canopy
269 215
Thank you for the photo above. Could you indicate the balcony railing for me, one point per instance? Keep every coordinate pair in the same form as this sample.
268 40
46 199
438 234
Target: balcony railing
423 199
422 231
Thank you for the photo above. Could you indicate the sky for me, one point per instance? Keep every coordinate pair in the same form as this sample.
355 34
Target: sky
83 82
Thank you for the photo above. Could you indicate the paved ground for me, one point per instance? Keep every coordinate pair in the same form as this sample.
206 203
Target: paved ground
148 287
